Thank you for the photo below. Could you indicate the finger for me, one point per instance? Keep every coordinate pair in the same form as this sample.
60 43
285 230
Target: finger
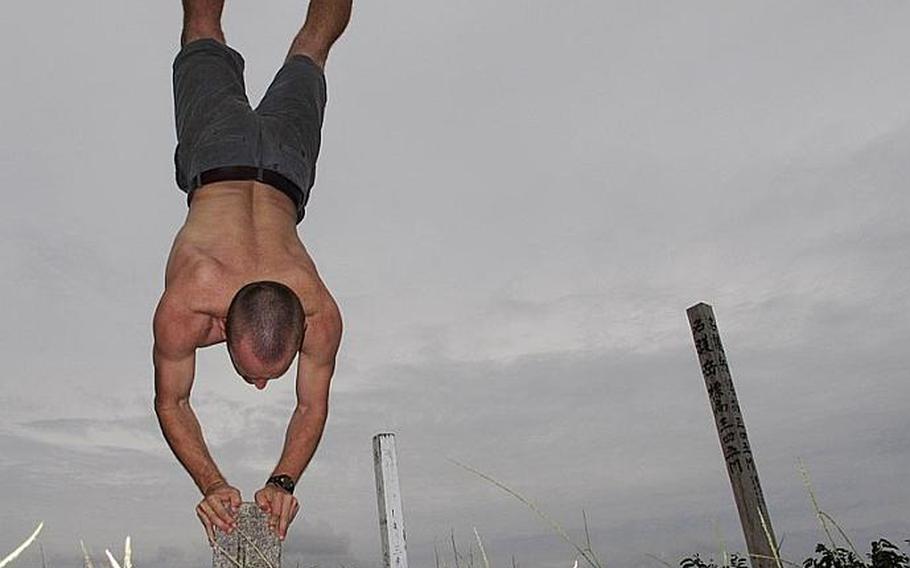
285 513
275 514
208 526
265 506
294 510
235 501
213 518
221 512
274 517
263 502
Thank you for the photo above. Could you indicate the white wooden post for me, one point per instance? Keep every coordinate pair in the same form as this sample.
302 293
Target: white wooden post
741 468
388 493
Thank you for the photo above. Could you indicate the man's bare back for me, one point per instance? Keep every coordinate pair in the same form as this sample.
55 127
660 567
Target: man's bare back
237 272
237 232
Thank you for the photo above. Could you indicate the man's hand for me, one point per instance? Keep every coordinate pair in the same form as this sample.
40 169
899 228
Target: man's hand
218 508
280 505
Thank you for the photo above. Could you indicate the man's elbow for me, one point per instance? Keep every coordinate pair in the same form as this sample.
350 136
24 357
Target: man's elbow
167 405
313 410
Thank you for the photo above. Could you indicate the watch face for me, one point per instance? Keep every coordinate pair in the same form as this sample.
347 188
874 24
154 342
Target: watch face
283 481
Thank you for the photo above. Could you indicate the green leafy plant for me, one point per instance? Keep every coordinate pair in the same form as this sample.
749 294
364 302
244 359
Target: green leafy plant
887 555
884 554
695 561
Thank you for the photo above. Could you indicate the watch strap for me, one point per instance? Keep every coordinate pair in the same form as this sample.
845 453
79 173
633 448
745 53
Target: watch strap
283 481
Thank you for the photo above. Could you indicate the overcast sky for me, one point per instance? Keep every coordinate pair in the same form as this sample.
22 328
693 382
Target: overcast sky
516 202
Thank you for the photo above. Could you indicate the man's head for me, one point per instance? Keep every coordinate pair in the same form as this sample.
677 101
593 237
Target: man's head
264 330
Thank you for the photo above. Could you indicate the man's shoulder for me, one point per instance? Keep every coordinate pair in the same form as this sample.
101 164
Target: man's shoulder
323 332
178 329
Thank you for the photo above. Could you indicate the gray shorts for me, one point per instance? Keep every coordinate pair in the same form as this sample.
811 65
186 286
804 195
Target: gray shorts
219 137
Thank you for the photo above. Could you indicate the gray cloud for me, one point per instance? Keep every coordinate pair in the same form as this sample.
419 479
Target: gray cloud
516 203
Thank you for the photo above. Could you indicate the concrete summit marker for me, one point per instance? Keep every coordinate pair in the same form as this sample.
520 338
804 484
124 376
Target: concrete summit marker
251 545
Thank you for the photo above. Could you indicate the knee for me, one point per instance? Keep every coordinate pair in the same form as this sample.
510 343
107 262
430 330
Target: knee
193 32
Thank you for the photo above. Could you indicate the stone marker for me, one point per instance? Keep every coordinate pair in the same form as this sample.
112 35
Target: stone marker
239 549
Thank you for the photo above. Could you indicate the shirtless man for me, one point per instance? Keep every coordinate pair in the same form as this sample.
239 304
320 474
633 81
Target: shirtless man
238 272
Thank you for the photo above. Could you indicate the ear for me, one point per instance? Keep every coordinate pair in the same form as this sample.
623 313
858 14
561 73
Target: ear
222 326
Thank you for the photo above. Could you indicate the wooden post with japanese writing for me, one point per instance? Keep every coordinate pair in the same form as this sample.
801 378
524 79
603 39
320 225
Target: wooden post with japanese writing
388 493
741 467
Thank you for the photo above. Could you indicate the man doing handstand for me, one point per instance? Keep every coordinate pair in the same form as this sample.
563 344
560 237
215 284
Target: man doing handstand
237 271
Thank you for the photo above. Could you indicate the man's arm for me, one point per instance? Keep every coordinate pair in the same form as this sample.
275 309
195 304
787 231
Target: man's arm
179 425
315 368
174 356
308 419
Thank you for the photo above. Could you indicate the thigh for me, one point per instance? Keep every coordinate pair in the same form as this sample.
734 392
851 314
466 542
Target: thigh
291 113
210 103
294 105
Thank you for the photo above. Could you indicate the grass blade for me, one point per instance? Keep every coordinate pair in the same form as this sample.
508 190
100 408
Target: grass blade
771 543
256 548
15 554
127 554
111 559
486 562
659 559
87 560
818 513
556 526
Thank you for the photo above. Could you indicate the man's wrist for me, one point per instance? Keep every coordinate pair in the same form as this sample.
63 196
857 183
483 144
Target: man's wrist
214 484
283 481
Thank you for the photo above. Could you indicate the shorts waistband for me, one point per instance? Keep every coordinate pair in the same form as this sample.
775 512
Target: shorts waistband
266 176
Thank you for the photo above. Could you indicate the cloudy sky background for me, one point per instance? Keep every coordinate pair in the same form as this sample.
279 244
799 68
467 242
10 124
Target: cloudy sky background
516 202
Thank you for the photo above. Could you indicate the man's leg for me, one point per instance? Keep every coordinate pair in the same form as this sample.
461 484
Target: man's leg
292 108
216 128
202 19
325 21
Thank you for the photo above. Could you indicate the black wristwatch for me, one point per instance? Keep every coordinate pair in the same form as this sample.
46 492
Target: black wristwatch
283 481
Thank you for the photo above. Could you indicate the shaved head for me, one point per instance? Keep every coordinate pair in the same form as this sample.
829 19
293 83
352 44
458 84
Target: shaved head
266 321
